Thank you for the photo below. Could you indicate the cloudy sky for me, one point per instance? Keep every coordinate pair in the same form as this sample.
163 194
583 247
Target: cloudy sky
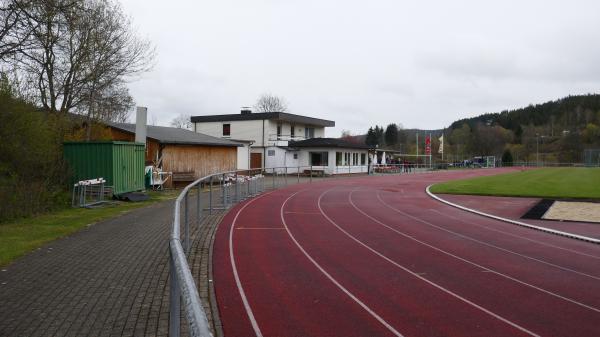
423 64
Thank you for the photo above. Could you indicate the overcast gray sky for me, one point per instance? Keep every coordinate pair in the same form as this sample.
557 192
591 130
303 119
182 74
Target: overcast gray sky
423 64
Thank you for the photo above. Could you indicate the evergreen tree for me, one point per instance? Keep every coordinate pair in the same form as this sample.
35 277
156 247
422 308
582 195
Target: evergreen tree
391 135
379 133
371 137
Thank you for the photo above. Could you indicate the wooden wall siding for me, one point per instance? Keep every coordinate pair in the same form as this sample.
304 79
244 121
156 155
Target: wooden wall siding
202 160
152 146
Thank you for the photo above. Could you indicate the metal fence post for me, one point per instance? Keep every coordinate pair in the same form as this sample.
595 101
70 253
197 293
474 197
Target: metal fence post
273 178
223 190
210 197
298 172
198 205
249 190
311 173
237 188
186 224
175 299
285 176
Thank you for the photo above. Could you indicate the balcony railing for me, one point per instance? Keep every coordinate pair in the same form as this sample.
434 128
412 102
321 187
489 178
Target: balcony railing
281 137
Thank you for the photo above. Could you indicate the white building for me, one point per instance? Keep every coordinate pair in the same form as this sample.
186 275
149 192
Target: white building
285 141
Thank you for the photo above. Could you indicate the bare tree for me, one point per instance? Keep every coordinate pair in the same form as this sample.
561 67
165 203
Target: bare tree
113 104
271 103
182 122
76 51
14 31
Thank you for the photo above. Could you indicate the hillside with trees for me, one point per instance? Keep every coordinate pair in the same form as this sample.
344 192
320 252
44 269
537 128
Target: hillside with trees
553 132
556 131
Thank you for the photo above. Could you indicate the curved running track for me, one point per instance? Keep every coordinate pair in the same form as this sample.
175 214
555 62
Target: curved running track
376 256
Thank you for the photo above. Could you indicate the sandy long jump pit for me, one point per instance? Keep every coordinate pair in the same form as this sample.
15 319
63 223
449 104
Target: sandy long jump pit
574 211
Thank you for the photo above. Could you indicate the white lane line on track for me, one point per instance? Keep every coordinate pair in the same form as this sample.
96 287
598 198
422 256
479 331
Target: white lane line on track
331 278
473 263
306 213
235 272
417 275
482 242
244 228
515 236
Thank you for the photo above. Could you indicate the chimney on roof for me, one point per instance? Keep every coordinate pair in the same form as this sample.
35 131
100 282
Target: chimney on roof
140 124
246 110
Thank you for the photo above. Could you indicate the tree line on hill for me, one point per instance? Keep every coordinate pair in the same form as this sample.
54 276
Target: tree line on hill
395 137
553 132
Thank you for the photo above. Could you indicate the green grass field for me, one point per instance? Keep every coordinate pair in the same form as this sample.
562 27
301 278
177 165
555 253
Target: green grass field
22 236
564 182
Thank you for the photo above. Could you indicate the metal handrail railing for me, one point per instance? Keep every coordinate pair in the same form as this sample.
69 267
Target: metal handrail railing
235 186
182 283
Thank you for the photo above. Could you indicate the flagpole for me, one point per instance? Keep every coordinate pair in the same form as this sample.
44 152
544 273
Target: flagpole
430 141
417 147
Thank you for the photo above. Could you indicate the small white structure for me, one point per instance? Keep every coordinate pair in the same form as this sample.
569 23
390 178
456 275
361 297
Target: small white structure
327 155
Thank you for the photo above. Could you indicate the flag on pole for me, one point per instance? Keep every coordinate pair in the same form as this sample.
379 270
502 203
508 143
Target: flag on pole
428 145
441 150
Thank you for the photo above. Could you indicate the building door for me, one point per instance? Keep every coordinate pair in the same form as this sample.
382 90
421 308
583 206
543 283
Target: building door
255 160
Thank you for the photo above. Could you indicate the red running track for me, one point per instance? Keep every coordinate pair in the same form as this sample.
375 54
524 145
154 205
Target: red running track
376 256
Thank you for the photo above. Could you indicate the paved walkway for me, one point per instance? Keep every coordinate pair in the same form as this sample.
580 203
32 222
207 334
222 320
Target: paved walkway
109 279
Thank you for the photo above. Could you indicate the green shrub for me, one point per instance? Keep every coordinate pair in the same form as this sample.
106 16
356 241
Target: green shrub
32 173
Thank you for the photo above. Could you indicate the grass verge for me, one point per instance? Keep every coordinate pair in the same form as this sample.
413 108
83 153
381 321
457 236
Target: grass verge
559 183
24 235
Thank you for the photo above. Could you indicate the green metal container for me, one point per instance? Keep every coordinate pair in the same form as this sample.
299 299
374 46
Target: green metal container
121 164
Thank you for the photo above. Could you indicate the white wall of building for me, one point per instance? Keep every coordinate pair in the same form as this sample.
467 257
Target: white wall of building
280 158
332 167
253 131
286 133
246 130
243 157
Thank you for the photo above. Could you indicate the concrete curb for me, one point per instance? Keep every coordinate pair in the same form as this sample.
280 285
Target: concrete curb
514 222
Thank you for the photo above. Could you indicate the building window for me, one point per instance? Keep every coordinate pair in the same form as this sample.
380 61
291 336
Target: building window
226 129
292 131
278 131
309 133
363 159
346 158
319 158
295 156
271 153
355 159
338 159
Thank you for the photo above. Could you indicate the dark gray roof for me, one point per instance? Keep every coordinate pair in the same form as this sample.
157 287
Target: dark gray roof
167 135
328 142
280 116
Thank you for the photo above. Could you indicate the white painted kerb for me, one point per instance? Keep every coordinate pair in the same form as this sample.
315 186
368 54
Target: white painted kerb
514 222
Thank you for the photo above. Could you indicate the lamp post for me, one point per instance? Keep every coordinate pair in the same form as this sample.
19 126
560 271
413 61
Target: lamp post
537 149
